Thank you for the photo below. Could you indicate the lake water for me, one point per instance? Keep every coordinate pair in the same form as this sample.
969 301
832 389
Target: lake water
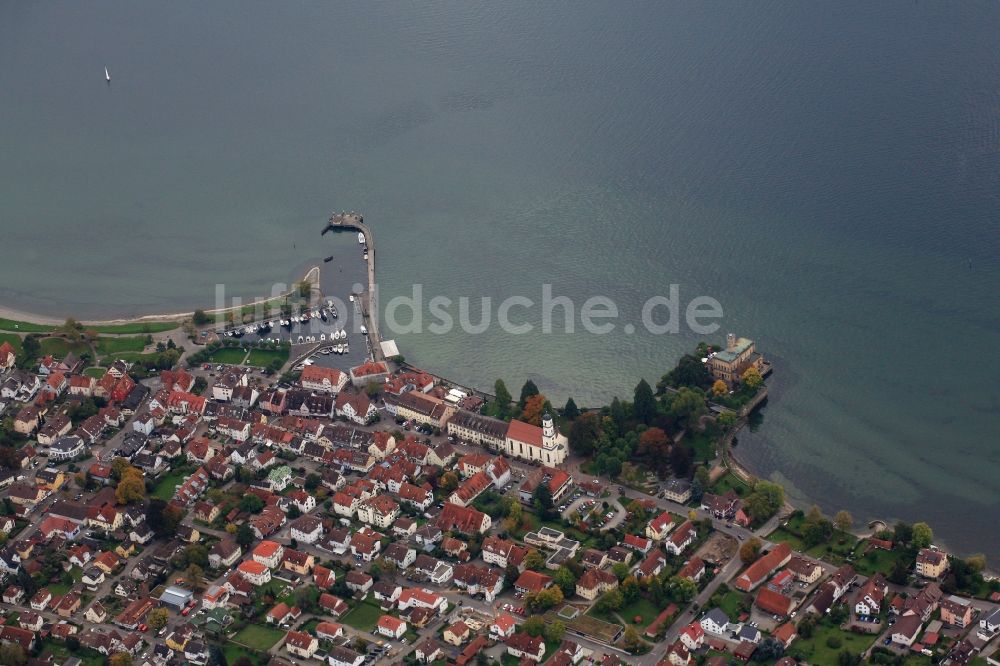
828 173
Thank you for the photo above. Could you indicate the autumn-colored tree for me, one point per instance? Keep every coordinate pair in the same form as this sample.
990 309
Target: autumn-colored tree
534 560
719 388
131 488
118 467
195 576
843 521
976 562
157 618
750 550
448 482
534 407
751 377
120 659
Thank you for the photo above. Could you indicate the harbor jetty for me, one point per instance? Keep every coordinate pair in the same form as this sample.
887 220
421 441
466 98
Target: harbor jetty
369 301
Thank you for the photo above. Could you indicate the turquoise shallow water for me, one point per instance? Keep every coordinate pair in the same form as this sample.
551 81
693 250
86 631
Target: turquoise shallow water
828 173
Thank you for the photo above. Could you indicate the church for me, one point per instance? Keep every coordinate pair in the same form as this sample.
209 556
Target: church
529 442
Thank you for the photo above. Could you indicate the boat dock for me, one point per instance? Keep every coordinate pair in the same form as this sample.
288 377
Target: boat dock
369 305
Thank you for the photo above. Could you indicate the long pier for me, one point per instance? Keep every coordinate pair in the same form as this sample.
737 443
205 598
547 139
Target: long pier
369 300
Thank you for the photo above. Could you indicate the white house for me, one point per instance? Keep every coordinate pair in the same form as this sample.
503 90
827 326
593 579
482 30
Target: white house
715 622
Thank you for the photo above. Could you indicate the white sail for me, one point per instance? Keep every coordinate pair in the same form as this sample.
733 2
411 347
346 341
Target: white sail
107 76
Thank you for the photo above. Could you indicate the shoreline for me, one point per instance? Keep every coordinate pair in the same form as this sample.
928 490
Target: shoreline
311 275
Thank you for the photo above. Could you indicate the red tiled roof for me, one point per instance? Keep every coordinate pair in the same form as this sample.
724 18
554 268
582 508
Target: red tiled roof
524 432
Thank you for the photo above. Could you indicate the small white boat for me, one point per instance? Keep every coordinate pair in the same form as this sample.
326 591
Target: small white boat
361 236
365 257
351 297
107 76
322 337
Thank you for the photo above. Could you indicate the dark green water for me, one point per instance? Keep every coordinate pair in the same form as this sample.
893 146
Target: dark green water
830 174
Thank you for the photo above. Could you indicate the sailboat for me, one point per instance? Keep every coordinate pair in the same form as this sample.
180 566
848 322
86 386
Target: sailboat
107 76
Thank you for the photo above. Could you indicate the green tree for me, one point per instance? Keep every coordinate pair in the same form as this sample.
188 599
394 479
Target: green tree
533 626
620 570
251 504
541 601
200 318
644 404
195 576
765 500
687 406
690 372
922 535
554 632
583 434
305 289
902 532
619 415
570 411
682 590
245 535
542 501
612 600
566 580
503 399
529 389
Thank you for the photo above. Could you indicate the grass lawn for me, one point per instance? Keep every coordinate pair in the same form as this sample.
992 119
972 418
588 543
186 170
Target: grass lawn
730 604
14 340
878 560
310 626
58 589
730 481
61 653
131 357
817 651
59 347
96 373
166 486
139 327
135 343
262 358
363 617
642 608
704 447
228 356
258 637
832 551
234 652
782 535
24 327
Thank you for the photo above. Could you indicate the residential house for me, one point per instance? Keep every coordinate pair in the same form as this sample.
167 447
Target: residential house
525 646
391 627
761 569
301 644
595 582
658 528
931 563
